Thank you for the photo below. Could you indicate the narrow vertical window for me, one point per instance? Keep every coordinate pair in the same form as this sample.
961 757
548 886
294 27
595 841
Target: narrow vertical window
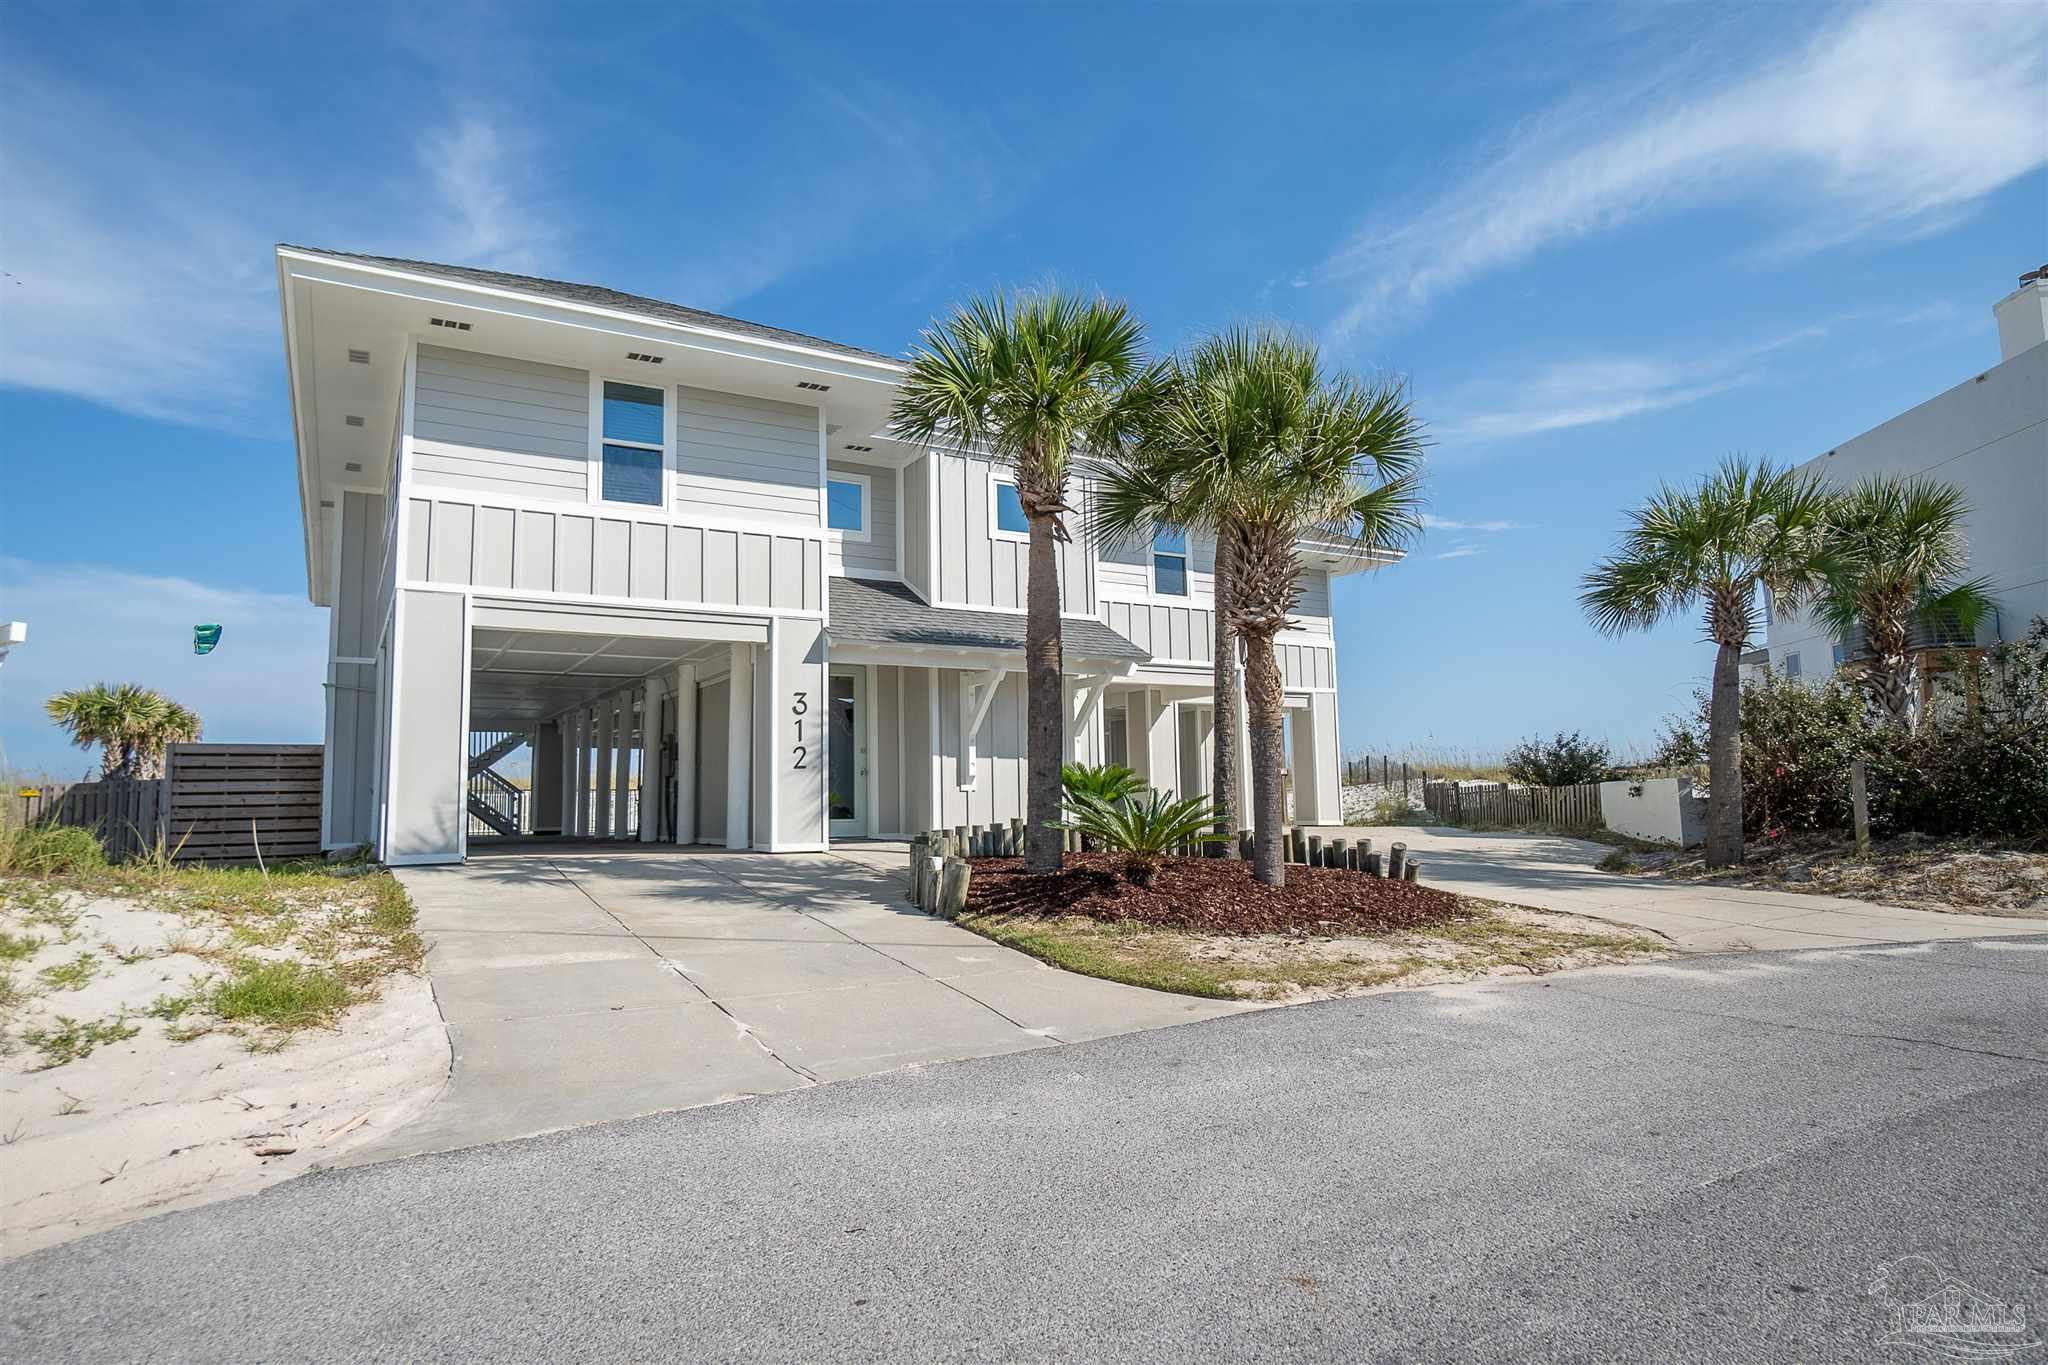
1170 561
1010 518
632 444
846 506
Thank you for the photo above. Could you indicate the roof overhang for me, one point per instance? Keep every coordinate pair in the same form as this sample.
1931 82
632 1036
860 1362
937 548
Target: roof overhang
1338 557
333 305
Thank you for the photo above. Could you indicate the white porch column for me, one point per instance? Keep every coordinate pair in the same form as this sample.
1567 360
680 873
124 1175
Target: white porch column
1245 818
685 775
601 822
652 692
579 821
739 746
1159 740
622 769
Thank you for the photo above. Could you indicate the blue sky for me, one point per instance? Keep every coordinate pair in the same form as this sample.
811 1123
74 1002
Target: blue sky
1606 245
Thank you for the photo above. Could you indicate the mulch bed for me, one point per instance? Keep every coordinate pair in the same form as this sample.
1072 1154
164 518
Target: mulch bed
1210 895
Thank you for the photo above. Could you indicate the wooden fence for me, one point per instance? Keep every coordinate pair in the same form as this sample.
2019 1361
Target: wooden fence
125 813
236 803
1498 804
216 803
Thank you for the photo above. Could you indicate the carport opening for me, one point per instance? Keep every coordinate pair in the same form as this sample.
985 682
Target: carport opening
575 736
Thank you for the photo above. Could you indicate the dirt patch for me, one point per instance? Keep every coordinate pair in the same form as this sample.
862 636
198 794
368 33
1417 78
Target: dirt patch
1954 876
1211 895
134 1077
1486 939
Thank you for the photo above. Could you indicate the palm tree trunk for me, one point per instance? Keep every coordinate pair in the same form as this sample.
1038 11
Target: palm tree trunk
1265 714
1724 759
1044 699
1223 770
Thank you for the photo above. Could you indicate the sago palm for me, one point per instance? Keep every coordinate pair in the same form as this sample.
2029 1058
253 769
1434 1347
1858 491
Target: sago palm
1251 437
1145 831
1744 528
1897 553
1038 383
132 724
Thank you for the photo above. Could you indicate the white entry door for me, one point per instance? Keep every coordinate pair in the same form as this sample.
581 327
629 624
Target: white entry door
846 762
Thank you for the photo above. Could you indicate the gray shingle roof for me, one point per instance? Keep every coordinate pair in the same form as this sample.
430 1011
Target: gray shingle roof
873 612
599 297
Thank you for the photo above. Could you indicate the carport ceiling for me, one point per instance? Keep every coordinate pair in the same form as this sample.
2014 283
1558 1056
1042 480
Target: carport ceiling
521 677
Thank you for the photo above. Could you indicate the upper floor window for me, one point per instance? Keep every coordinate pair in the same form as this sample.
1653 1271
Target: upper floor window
632 444
846 505
1007 521
1792 666
1170 561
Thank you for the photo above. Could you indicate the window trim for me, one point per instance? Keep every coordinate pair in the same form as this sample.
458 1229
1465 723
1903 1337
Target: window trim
998 532
594 484
866 533
1185 556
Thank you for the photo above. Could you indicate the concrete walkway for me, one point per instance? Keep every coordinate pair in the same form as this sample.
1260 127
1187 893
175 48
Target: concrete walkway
589 982
1555 873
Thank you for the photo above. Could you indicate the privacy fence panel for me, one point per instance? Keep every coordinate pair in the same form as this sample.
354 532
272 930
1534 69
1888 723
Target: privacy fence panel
236 803
126 814
1496 804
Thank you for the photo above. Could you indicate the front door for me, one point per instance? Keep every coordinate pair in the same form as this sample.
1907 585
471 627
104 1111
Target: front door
846 763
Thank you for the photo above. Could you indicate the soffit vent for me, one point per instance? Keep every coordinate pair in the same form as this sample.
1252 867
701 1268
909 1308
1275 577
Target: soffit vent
862 449
814 388
356 357
450 323
352 467
643 357
327 502
352 420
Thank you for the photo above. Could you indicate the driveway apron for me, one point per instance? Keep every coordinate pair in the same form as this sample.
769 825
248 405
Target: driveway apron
583 982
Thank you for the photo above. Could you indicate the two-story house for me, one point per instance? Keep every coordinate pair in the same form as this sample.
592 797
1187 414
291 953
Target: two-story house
673 553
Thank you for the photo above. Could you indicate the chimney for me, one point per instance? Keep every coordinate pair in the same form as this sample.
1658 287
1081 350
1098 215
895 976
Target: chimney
2023 315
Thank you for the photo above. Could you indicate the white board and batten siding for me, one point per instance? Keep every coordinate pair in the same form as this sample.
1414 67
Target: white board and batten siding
977 568
746 459
491 424
917 515
593 554
877 553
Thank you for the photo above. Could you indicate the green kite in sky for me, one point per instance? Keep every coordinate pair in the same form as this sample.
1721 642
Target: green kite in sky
204 638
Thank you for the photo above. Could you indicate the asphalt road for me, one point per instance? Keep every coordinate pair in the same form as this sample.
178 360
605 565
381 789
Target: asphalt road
1714 1159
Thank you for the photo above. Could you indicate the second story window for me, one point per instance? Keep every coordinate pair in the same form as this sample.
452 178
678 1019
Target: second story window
1008 521
846 505
632 444
1170 561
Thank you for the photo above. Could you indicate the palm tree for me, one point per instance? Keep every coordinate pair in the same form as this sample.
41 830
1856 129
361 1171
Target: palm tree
1744 527
1250 438
1038 382
132 724
1897 554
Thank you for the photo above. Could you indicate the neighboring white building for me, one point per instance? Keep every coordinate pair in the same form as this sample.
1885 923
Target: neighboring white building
1989 436
678 552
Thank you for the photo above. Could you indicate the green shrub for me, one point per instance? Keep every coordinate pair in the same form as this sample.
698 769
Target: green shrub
1564 760
1145 831
1104 782
51 850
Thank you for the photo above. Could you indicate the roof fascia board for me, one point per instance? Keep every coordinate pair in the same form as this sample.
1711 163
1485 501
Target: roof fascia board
358 274
307 495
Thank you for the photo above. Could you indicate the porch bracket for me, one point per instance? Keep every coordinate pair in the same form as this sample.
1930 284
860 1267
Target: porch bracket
977 694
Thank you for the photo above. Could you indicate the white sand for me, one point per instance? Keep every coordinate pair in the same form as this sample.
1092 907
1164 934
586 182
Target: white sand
146 1125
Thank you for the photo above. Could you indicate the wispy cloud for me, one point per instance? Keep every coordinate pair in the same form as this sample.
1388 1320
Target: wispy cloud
1431 522
139 271
89 623
1891 119
1457 552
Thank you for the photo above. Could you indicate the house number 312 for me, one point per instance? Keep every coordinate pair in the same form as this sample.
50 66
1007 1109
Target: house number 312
797 709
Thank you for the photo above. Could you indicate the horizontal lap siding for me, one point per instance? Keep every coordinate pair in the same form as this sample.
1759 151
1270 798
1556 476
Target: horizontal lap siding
492 424
876 554
587 555
746 458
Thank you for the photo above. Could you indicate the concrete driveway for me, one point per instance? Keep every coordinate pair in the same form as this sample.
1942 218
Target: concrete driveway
1551 872
589 982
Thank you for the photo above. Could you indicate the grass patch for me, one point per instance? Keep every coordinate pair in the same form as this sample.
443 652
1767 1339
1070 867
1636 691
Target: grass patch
17 947
68 1040
1267 967
1619 860
50 851
74 975
281 996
